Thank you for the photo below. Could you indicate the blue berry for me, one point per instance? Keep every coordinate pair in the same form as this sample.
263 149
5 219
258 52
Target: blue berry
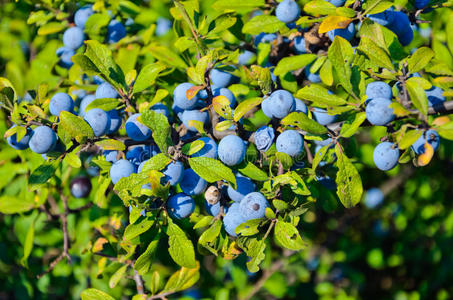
279 104
265 38
82 14
221 78
406 38
180 206
137 155
80 187
174 172
246 58
192 184
287 11
115 121
231 150
435 96
431 137
209 148
385 156
106 90
300 106
115 31
233 218
161 108
98 120
136 130
23 143
419 4
180 97
43 140
373 198
65 55
290 142
384 18
60 102
212 209
244 186
378 111
111 156
227 93
188 115
121 168
163 25
337 3
378 89
346 33
299 45
253 206
73 38
313 77
322 117
264 137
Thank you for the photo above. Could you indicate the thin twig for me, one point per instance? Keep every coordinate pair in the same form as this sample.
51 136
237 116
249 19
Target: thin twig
138 282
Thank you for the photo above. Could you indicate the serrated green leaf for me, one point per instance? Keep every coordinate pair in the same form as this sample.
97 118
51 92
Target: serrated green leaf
144 261
209 236
318 157
238 5
245 106
409 138
94 294
301 121
73 160
180 247
417 61
13 205
51 27
116 277
105 104
253 172
292 63
319 96
263 23
183 279
85 64
42 174
350 126
147 76
320 7
341 55
212 170
75 127
158 123
111 144
376 54
417 95
349 183
288 236
134 230
157 162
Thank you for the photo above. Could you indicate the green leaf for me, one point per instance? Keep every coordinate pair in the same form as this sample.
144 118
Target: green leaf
85 64
101 56
99 198
52 27
341 55
417 61
42 174
318 157
105 104
134 230
301 121
263 77
253 172
158 123
221 23
254 248
409 138
75 127
13 205
376 54
116 277
238 5
180 247
95 24
292 63
285 159
208 237
111 144
350 126
349 183
212 170
334 22
320 7
377 6
221 105
248 228
147 76
417 95
319 96
73 160
263 23
144 261
155 282
28 244
245 106
288 236
183 279
157 162
94 294
373 31
166 56
446 131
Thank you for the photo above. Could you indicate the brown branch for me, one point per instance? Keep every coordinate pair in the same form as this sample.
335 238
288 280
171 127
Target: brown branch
160 296
309 155
138 282
66 244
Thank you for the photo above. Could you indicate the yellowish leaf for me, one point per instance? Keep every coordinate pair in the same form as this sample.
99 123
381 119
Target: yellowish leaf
334 22
424 158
